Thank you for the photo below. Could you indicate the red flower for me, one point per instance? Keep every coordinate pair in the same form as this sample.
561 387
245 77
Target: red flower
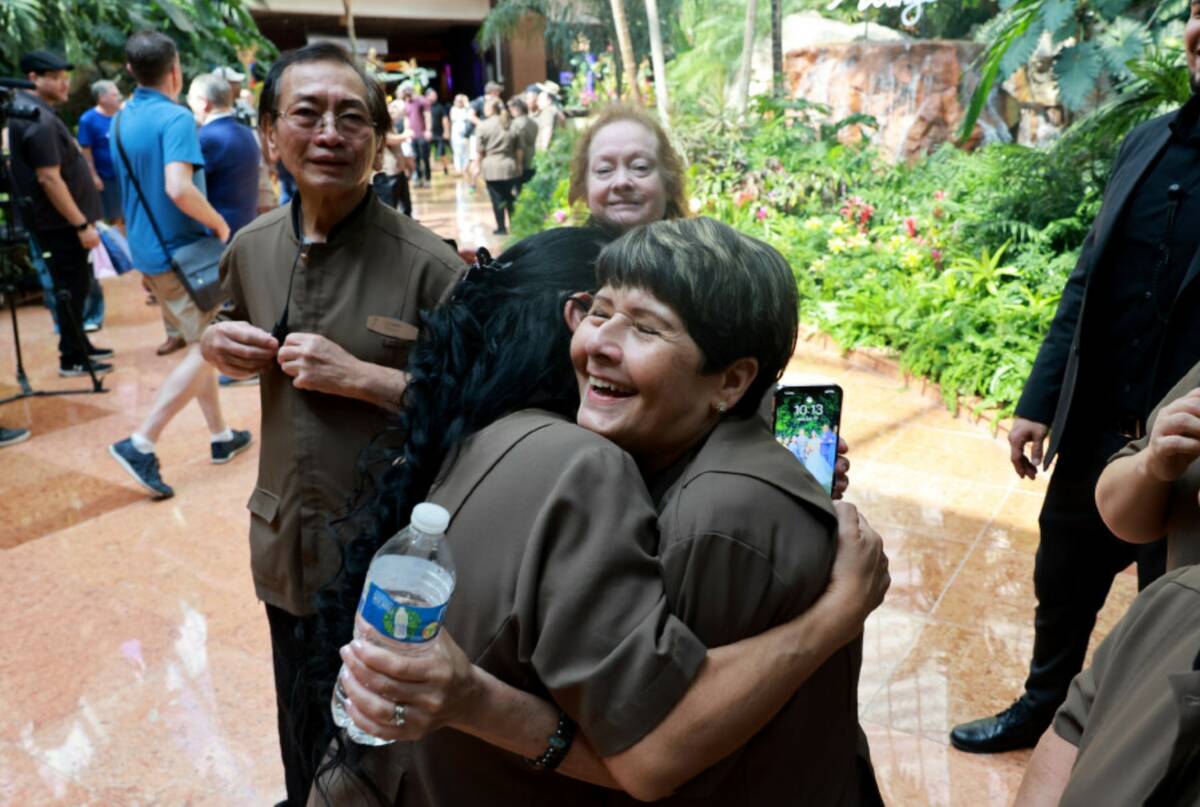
910 224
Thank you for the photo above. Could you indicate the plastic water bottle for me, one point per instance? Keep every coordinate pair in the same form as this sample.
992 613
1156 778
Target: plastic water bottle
404 598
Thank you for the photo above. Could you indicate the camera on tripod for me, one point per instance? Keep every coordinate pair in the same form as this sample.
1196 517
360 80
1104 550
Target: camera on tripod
16 239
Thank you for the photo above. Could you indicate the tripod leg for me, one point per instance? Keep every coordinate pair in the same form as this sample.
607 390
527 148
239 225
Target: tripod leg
64 307
22 379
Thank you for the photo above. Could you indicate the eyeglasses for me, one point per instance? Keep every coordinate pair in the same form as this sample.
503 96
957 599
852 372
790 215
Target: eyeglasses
352 125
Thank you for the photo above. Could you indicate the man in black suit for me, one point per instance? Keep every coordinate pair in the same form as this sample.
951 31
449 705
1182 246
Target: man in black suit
1126 330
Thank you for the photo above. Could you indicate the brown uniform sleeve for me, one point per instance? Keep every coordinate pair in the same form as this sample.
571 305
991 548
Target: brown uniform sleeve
740 556
1071 720
441 274
1189 382
590 600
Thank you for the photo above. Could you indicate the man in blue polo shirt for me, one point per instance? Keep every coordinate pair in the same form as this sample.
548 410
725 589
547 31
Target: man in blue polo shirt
158 138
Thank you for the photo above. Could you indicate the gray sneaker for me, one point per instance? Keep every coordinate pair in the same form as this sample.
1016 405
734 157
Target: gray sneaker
10 437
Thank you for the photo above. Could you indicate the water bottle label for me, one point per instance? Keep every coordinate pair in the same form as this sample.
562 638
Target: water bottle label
402 622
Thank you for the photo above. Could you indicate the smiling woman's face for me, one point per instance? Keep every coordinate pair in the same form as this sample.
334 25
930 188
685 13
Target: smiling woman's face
624 183
639 377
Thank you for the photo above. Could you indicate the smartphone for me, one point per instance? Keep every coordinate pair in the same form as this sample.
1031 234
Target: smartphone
807 420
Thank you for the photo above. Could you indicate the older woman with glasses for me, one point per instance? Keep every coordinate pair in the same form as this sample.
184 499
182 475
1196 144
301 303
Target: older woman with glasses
326 292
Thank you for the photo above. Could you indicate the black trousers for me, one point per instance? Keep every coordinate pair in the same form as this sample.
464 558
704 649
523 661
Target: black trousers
69 269
421 153
301 726
520 182
1076 561
501 193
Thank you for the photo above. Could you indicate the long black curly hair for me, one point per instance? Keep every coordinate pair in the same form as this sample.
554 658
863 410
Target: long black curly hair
497 346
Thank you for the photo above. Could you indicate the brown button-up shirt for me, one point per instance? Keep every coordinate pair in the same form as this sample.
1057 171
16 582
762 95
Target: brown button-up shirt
746 542
376 273
1135 713
1183 508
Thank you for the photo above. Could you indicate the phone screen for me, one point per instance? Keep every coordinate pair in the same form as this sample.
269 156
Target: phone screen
806 423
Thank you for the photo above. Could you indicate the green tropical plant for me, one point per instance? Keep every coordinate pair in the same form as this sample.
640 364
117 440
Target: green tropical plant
1158 82
1096 41
92 33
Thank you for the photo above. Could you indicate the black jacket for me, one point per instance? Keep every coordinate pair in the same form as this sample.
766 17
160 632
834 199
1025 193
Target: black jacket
1055 377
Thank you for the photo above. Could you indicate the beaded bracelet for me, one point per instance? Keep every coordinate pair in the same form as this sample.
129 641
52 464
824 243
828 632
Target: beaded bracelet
557 746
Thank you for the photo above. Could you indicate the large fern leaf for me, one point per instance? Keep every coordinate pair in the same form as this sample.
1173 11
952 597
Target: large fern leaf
1057 12
1077 69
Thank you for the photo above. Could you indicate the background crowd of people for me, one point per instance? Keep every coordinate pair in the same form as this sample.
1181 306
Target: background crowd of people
671 606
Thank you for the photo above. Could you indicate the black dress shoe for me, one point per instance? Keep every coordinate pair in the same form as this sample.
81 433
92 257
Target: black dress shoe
1019 726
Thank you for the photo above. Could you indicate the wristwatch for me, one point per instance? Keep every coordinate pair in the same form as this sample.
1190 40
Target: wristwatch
81 227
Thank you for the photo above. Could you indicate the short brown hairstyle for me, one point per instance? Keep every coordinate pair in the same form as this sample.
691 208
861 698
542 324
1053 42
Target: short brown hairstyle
670 164
736 295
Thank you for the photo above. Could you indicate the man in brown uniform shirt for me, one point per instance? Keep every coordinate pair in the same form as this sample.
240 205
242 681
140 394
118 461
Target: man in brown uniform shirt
325 291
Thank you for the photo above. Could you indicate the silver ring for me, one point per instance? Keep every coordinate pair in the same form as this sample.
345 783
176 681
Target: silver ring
398 715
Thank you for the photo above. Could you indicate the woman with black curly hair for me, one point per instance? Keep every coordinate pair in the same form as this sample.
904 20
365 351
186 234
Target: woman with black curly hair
559 597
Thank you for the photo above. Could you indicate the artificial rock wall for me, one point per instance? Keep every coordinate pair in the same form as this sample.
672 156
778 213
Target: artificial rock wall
911 87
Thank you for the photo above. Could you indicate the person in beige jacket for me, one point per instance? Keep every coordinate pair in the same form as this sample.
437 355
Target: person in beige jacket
754 560
500 157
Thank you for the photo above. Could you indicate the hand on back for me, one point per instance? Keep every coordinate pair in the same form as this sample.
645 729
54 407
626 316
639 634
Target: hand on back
1175 439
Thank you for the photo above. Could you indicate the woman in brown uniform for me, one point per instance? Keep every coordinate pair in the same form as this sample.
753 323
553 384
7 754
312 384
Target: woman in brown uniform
747 535
500 159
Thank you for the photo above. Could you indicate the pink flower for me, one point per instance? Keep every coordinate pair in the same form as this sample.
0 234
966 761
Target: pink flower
939 196
910 224
936 254
560 216
762 213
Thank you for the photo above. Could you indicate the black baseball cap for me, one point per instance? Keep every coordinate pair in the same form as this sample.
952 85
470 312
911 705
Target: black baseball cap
43 61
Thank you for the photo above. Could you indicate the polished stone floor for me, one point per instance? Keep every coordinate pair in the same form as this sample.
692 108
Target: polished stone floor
153 684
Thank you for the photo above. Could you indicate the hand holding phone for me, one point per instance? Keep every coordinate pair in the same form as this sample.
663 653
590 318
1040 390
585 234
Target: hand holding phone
807 420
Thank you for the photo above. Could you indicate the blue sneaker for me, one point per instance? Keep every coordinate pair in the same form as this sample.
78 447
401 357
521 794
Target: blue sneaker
226 450
230 381
142 467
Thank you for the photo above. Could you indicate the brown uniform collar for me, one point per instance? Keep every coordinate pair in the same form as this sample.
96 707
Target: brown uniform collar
747 447
356 216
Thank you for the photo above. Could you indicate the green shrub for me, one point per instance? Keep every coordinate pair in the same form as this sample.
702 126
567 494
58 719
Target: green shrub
955 263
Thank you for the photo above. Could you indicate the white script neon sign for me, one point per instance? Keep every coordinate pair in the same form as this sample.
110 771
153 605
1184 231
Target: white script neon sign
909 17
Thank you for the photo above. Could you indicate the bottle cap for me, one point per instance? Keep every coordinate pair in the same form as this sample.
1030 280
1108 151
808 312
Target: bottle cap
430 518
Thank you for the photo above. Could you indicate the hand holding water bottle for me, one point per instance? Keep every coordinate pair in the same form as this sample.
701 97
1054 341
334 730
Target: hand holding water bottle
438 688
403 602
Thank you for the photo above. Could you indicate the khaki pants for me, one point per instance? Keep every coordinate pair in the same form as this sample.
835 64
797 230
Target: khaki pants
178 309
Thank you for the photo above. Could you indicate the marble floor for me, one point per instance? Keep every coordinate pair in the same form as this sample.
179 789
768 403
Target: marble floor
155 687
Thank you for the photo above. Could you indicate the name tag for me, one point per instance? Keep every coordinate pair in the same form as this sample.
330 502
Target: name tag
391 327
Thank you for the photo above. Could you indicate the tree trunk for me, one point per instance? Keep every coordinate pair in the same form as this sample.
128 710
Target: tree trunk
348 5
662 101
625 41
777 48
741 92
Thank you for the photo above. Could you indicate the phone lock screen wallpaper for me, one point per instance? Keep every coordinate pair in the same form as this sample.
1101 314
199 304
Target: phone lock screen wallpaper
806 425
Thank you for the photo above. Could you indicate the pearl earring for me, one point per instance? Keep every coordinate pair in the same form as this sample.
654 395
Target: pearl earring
721 407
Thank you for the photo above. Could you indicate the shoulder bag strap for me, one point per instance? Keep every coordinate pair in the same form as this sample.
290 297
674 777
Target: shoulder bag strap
116 135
